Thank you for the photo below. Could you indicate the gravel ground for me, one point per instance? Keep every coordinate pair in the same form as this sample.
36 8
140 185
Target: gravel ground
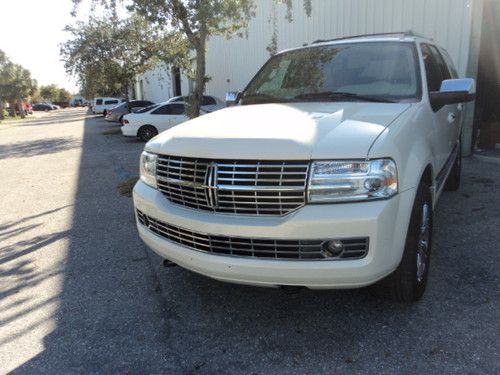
80 293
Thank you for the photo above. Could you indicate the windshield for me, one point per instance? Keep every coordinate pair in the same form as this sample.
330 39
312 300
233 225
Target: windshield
382 71
147 109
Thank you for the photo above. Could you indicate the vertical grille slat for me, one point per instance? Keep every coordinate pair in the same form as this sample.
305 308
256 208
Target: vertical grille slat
245 187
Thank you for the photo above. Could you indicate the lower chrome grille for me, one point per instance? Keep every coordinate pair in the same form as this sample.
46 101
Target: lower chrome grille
233 186
354 248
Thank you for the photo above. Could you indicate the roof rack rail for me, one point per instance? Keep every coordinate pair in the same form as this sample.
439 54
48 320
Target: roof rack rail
401 33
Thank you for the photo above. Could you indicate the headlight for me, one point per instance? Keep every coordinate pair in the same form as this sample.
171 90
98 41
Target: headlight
148 168
351 180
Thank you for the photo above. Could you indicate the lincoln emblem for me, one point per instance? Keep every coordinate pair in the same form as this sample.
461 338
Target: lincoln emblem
211 185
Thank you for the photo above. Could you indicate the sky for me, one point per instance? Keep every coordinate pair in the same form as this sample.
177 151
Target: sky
30 34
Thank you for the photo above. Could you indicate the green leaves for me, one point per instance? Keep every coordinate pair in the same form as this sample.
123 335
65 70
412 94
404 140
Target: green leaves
49 93
172 31
15 81
53 93
107 54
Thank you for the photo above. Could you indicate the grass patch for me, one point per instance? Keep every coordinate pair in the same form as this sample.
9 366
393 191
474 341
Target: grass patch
125 188
10 120
112 131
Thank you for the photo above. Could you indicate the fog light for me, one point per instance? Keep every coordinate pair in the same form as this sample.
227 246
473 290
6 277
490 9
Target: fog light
333 248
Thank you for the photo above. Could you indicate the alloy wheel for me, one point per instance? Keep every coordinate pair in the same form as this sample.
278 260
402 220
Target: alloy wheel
423 243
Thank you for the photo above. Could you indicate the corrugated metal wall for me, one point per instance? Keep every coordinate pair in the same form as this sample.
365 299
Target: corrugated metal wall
157 85
232 63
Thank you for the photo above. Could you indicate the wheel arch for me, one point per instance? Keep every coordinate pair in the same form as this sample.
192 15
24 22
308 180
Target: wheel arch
146 125
428 176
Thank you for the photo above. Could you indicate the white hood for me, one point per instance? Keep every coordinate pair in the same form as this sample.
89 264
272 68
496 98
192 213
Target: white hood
299 131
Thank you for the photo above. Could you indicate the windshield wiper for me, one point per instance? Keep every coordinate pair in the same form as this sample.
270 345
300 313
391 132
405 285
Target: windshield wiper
337 95
262 98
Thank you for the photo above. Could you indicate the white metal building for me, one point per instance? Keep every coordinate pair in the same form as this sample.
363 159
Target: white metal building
160 84
453 24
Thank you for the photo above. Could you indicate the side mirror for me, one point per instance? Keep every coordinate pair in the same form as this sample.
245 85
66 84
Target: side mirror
232 98
453 91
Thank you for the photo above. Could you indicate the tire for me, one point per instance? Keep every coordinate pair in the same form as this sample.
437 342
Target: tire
120 120
147 132
453 180
408 282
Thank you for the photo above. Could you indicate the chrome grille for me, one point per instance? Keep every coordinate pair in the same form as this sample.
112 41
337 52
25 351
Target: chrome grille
354 248
233 186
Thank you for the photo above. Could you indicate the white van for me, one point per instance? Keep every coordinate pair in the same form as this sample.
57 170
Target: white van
102 104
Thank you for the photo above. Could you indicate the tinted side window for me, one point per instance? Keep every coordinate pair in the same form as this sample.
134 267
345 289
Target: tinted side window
445 73
432 70
163 110
208 100
177 109
111 102
137 104
449 62
98 102
147 109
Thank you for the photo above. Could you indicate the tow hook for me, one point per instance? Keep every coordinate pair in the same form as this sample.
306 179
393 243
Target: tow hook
168 263
292 289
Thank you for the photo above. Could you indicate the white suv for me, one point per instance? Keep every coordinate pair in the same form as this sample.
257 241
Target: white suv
325 173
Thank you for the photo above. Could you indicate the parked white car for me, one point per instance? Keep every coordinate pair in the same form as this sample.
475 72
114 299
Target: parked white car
150 121
325 174
103 104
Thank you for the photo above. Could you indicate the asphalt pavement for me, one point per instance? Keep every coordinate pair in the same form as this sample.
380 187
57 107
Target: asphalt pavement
80 293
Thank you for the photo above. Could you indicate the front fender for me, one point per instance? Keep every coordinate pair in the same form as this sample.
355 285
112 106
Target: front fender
407 142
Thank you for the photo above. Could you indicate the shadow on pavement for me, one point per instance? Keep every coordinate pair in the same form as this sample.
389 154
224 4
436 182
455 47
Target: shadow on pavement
39 147
110 316
57 117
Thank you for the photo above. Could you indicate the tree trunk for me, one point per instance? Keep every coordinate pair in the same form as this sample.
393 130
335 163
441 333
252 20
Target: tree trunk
127 98
12 108
20 105
199 87
1 110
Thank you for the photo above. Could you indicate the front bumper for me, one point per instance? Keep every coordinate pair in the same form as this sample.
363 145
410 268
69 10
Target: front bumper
385 222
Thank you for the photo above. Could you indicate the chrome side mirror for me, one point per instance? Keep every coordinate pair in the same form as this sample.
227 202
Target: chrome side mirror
467 85
453 91
232 98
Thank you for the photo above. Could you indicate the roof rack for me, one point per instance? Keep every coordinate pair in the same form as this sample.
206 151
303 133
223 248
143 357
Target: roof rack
401 33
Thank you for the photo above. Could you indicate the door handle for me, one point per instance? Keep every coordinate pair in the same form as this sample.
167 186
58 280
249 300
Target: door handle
451 117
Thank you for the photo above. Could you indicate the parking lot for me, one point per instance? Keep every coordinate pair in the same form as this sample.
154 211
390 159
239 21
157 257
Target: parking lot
80 293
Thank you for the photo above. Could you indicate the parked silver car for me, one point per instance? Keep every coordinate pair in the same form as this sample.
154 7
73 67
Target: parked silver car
116 114
208 104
